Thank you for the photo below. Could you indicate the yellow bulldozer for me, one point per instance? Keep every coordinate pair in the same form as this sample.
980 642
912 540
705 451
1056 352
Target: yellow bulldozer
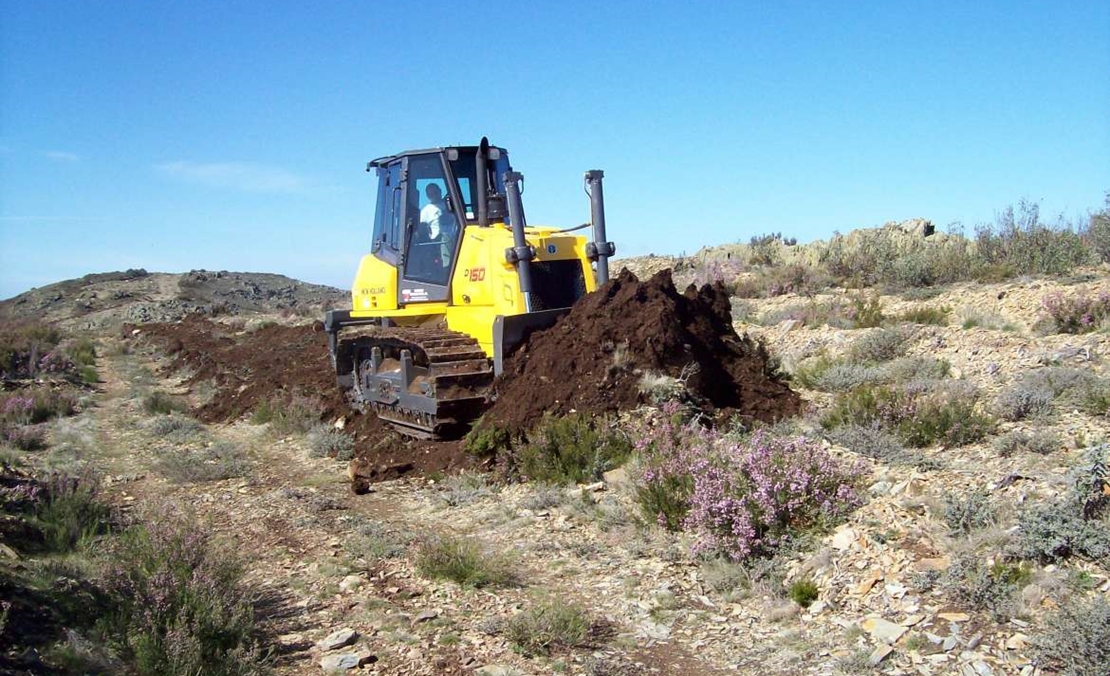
454 281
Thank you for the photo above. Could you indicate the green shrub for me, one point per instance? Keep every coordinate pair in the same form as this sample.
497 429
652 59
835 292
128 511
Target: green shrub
1075 524
836 375
289 414
1041 442
908 369
967 513
803 592
666 500
327 442
951 421
1075 640
1077 313
571 449
1020 241
176 428
82 351
1098 232
162 403
463 561
921 413
991 589
485 440
880 345
812 313
874 442
463 489
218 461
548 626
70 512
373 541
866 311
1024 400
181 606
89 375
927 314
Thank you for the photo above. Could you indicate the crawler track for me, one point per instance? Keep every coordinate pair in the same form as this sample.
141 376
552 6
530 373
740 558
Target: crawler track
428 383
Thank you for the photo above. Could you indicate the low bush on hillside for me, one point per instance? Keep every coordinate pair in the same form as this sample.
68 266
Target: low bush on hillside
927 314
969 512
327 442
834 313
1075 639
289 414
827 374
874 442
463 560
920 413
217 461
1075 524
486 440
1079 312
880 345
176 428
548 626
1035 392
986 588
803 592
1041 442
909 369
1019 242
24 346
571 449
159 402
35 405
463 489
181 605
740 497
68 511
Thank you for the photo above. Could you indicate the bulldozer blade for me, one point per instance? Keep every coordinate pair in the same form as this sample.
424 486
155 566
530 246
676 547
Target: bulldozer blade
512 330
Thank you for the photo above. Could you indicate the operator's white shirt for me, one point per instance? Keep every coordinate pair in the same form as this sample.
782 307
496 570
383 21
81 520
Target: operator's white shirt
438 218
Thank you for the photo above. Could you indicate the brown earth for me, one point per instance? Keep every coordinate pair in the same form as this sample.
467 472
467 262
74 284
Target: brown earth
249 368
594 359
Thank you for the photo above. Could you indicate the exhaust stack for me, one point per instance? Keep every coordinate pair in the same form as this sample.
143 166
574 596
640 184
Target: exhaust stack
521 254
600 249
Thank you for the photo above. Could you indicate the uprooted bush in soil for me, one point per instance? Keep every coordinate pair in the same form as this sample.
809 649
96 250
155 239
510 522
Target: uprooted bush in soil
739 496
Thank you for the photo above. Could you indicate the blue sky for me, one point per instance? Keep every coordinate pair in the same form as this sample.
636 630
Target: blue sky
172 135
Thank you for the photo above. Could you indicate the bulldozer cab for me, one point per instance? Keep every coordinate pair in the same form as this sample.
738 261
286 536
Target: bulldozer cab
425 199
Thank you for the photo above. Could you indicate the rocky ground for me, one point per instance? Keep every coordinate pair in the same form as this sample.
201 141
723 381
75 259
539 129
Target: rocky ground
339 570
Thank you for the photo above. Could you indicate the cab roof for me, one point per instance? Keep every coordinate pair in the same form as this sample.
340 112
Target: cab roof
381 161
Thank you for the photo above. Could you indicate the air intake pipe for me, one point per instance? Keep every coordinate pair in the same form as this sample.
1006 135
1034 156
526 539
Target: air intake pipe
480 169
521 254
600 249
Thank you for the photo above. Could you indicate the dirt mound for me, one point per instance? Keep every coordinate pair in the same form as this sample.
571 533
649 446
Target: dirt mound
249 368
593 359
